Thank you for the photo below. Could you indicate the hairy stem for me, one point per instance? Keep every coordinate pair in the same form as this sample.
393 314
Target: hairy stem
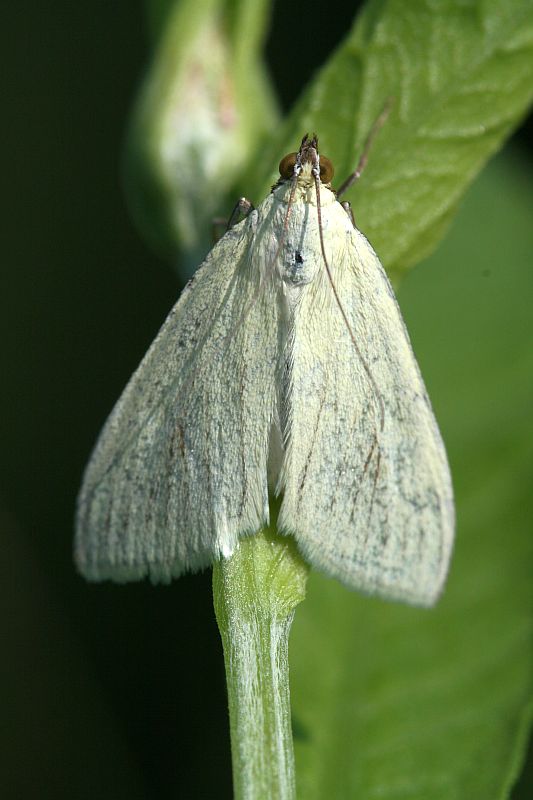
255 594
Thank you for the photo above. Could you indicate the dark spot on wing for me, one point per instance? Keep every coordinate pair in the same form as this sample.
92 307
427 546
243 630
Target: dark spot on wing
294 267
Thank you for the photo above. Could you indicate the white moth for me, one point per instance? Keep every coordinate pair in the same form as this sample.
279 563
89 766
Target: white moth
284 367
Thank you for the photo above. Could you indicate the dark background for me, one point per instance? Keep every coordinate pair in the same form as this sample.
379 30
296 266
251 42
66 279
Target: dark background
105 691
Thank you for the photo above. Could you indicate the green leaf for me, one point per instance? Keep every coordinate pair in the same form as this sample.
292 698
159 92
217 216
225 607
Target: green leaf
461 75
204 104
414 704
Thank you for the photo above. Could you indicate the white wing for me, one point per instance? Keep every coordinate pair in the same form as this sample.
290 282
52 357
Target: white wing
179 471
367 489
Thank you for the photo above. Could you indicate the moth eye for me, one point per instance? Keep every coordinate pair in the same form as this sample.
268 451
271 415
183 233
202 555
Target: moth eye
326 169
286 165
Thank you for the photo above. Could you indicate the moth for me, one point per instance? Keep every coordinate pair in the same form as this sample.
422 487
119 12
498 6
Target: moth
284 368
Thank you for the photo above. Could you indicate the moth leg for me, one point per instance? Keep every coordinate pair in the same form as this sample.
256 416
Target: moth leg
242 208
348 208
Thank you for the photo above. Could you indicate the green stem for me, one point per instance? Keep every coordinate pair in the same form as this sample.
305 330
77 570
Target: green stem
255 594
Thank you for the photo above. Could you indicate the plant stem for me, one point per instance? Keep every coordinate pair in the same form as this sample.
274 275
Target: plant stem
255 594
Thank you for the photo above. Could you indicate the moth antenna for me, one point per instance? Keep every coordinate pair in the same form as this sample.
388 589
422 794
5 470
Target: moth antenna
341 307
374 130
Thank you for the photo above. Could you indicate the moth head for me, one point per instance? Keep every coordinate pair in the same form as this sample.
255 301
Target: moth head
292 164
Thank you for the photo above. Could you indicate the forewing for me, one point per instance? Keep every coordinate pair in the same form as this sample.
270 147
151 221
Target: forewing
179 470
367 489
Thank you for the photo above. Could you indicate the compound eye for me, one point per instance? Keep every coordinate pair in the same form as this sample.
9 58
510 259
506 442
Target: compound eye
286 165
326 169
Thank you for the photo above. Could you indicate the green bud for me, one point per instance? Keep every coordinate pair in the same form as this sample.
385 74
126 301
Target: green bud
204 106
